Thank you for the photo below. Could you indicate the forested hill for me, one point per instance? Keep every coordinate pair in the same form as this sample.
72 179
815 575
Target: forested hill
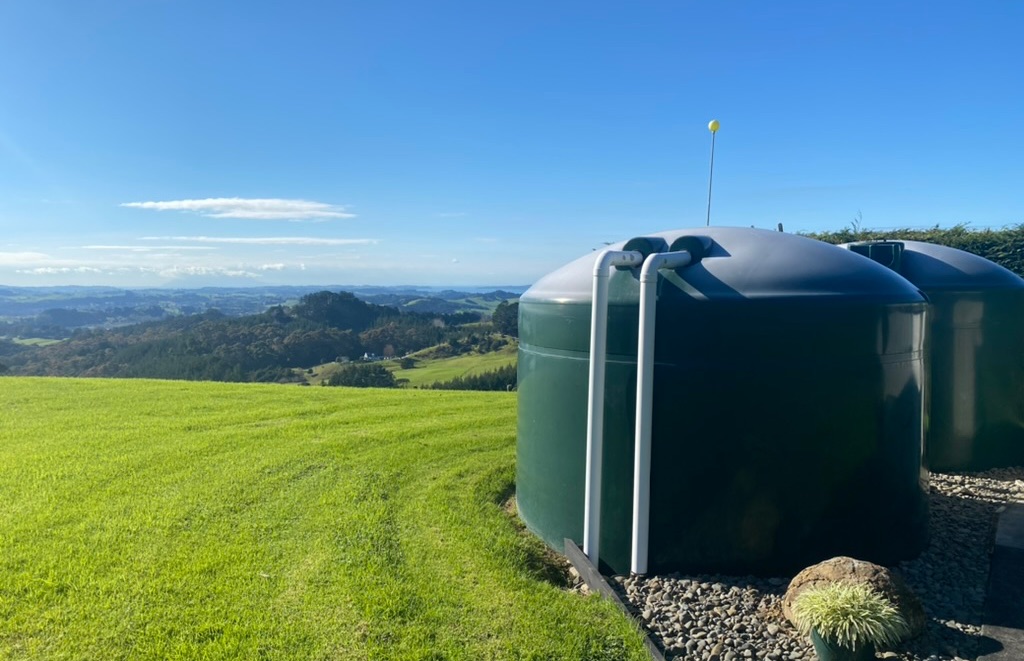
321 327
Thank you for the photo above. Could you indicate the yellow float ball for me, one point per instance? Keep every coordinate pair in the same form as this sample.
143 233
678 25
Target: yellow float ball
713 125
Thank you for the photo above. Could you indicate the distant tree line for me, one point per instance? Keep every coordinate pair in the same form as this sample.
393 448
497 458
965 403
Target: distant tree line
322 327
54 324
503 378
363 375
468 343
506 318
33 328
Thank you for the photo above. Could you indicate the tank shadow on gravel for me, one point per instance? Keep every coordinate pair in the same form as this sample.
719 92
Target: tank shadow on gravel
950 577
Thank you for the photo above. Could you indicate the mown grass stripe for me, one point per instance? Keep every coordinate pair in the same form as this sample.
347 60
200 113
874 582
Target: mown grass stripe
177 520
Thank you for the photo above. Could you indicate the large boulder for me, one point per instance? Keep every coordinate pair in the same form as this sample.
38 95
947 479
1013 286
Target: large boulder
850 570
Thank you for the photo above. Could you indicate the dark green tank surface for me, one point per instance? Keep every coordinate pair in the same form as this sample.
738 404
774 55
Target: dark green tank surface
788 407
976 324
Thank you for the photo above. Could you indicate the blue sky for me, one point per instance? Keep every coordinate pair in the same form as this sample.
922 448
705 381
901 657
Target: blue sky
186 143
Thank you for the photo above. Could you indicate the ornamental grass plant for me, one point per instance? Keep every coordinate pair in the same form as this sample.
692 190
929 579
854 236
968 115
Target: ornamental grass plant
849 615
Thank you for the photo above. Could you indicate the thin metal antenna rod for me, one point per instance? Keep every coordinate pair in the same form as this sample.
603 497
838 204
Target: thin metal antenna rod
713 127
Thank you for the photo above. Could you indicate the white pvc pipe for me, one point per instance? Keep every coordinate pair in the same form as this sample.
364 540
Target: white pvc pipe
595 405
644 403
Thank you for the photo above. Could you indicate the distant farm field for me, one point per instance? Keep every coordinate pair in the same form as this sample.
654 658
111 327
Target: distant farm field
428 371
431 370
179 520
35 341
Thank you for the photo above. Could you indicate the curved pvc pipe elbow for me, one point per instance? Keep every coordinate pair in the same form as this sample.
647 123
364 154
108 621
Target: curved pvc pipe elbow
663 260
610 258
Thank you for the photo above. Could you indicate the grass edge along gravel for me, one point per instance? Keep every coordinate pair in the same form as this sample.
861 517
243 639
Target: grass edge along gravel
179 520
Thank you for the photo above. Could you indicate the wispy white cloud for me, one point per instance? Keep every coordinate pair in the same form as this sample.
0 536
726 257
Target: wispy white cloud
59 270
264 240
249 208
16 258
167 272
125 261
192 271
146 248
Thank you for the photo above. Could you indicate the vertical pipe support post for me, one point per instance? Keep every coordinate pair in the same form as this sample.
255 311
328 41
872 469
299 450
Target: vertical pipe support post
644 401
607 260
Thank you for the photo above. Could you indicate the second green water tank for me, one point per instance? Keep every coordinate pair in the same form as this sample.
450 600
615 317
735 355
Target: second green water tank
976 323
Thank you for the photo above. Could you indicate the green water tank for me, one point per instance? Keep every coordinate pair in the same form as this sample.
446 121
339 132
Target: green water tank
788 407
976 326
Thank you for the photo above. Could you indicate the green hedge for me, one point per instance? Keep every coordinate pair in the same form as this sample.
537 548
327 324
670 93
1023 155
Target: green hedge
1004 247
503 378
363 375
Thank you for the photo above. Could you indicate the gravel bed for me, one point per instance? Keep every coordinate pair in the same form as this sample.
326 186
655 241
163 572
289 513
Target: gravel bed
729 618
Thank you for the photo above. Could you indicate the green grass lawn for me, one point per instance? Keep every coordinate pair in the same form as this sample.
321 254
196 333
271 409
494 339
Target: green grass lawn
177 520
430 370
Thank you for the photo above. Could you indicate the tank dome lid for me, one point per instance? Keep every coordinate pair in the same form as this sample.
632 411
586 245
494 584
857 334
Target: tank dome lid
931 266
745 263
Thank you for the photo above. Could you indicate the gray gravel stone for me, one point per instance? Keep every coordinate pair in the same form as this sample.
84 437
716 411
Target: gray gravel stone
727 618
